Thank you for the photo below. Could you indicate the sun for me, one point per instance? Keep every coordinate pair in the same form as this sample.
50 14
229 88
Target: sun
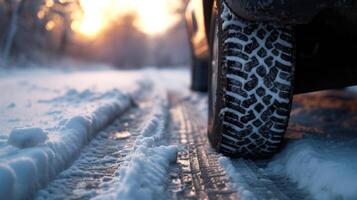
153 16
96 16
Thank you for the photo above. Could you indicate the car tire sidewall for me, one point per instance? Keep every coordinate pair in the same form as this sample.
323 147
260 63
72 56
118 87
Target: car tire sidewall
214 122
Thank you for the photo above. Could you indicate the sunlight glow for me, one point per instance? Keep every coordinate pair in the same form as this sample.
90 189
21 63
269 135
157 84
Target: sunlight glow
154 16
50 25
96 15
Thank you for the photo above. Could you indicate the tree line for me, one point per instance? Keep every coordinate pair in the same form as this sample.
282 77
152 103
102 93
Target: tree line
29 28
41 30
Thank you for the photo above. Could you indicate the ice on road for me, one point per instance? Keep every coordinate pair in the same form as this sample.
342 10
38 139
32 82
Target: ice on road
57 127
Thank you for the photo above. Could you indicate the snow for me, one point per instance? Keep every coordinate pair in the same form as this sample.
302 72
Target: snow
11 105
326 167
178 81
239 184
47 118
27 137
144 174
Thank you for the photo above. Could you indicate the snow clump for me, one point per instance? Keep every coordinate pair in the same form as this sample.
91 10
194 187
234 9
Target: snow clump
27 137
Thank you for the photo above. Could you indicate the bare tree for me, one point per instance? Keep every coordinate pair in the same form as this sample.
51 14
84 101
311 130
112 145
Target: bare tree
14 6
25 33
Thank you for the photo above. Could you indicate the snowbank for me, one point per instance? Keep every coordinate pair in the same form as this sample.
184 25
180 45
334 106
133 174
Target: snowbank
144 174
326 167
31 168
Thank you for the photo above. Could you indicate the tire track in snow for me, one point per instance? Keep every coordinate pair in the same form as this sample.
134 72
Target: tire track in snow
144 173
99 160
33 167
198 173
135 167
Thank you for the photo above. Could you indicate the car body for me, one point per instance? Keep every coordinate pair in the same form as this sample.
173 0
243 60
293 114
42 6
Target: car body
338 15
197 28
287 11
305 45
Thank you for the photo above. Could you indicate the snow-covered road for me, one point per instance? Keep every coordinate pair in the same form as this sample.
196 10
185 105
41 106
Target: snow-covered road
107 134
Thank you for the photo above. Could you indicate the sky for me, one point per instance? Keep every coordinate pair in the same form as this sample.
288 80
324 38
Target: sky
153 17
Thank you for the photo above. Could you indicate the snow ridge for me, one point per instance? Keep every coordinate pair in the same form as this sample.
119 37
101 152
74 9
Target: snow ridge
39 161
145 170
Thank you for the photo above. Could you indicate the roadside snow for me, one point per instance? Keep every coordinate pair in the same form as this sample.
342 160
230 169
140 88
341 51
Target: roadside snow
326 167
240 185
48 116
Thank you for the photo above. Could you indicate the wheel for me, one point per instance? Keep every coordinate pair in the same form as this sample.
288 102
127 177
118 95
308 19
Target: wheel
199 74
250 84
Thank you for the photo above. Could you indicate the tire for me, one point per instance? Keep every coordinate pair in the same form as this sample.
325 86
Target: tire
250 85
199 74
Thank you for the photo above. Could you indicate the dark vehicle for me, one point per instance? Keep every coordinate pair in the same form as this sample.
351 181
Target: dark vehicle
254 55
